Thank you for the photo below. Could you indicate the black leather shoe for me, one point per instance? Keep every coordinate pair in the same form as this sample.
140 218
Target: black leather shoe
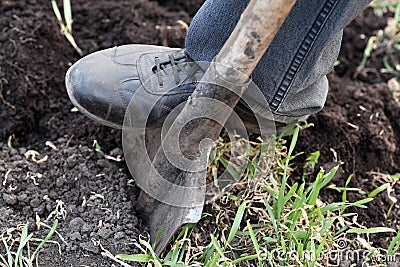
102 84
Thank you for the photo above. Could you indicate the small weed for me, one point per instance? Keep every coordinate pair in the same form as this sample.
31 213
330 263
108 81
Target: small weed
22 256
96 146
66 26
266 221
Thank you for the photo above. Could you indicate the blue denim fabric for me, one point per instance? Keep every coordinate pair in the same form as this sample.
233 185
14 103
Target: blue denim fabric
292 73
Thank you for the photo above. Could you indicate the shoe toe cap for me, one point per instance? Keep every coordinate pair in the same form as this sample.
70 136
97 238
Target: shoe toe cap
93 85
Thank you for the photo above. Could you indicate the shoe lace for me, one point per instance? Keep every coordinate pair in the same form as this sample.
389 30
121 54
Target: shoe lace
174 64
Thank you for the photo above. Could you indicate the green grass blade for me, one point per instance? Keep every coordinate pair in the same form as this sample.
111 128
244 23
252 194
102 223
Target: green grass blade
329 176
153 254
332 207
279 206
268 239
319 250
168 263
373 230
231 169
297 206
394 245
390 209
397 14
344 195
236 222
68 15
47 238
255 243
378 190
56 11
311 161
24 239
71 40
321 182
10 259
178 252
22 244
290 128
272 216
175 253
208 256
367 53
298 235
9 142
135 257
4 261
245 258
300 194
294 141
66 29
327 225
290 194
360 203
214 241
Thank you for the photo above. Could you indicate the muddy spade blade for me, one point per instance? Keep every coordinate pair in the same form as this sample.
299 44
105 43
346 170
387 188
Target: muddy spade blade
165 220
170 197
169 164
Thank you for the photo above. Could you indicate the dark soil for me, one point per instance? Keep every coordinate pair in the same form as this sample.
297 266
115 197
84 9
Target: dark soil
360 126
34 108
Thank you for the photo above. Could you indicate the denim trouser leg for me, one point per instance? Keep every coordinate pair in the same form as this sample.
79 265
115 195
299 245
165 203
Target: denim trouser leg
292 72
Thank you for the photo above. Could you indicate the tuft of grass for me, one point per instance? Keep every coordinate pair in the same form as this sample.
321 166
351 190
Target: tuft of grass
66 23
22 255
269 219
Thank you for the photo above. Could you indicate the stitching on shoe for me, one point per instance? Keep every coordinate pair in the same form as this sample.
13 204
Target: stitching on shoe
168 93
142 96
121 96
140 69
114 56
110 101
156 104
120 92
153 46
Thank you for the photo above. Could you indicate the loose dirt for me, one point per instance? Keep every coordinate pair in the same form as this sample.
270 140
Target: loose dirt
94 197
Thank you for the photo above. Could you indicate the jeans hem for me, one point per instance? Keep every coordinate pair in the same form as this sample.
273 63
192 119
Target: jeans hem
302 52
288 119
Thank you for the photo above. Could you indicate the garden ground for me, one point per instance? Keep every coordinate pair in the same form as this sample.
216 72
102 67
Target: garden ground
50 169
